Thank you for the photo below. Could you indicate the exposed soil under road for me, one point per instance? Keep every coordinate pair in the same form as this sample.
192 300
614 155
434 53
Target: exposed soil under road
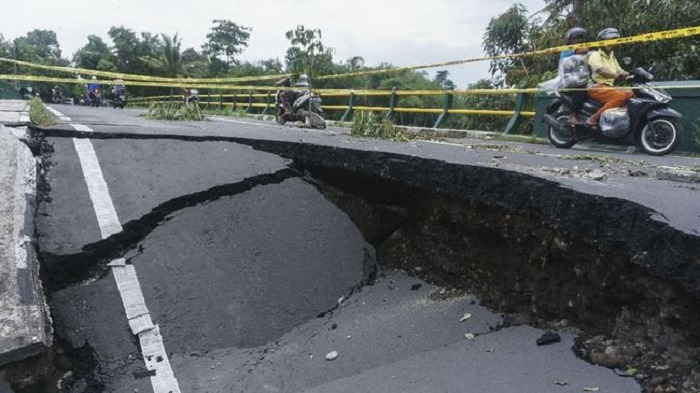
626 282
535 273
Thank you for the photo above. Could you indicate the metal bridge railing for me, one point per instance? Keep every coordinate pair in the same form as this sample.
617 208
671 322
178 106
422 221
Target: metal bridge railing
248 102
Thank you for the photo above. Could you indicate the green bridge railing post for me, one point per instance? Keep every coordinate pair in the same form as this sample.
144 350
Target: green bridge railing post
445 110
392 104
233 100
347 116
267 104
250 103
221 101
517 117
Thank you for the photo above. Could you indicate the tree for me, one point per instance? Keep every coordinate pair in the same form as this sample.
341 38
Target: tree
441 78
675 59
194 64
39 45
129 50
226 39
307 53
505 35
6 51
95 55
125 44
169 61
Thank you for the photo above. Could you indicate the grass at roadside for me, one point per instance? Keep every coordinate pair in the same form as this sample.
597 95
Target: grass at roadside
39 115
177 111
374 125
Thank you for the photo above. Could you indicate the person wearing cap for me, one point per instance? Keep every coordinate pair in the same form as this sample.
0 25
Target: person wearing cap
605 70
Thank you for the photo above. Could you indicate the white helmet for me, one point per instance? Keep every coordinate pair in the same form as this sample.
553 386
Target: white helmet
303 81
94 77
608 34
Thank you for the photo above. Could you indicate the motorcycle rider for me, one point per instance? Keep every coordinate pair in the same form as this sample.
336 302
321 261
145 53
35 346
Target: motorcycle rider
604 71
284 94
191 94
118 88
93 88
56 95
576 35
289 96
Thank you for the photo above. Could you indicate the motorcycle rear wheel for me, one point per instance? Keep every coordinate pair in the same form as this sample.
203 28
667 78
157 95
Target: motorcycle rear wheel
556 137
660 136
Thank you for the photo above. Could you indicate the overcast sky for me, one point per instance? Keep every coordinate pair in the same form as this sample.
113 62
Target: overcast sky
401 32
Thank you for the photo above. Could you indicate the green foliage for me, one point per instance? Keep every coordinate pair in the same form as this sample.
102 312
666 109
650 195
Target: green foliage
490 102
174 111
307 53
95 55
38 113
442 79
39 47
676 59
169 60
374 125
226 39
507 34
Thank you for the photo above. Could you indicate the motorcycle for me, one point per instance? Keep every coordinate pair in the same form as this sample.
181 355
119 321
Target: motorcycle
118 96
119 100
56 96
192 97
306 107
647 122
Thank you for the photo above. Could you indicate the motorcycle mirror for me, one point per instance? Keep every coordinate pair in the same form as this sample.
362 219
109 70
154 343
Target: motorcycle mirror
626 60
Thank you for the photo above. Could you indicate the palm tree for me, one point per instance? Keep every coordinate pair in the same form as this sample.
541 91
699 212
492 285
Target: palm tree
169 62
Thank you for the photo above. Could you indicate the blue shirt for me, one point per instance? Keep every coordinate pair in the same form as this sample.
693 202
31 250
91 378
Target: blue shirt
566 54
93 86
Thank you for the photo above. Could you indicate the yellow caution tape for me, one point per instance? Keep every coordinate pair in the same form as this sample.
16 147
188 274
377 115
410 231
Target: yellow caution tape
123 76
661 35
655 36
202 83
183 83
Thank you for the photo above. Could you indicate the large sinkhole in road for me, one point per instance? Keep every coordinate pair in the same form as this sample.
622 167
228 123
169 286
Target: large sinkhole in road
227 272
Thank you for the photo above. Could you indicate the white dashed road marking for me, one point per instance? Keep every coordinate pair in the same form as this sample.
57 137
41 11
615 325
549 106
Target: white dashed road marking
58 114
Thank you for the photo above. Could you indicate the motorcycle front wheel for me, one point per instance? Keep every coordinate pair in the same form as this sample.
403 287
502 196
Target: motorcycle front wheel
559 138
660 136
279 116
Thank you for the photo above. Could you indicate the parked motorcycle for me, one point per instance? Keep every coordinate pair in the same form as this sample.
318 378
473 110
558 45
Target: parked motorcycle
305 106
647 122
192 96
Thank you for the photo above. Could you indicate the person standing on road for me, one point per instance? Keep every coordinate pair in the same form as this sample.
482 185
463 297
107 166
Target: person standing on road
605 70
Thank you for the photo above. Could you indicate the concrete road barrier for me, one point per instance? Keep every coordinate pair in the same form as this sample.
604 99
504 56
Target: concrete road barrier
25 329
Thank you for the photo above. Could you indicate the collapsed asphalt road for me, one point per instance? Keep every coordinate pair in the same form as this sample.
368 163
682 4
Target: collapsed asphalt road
253 275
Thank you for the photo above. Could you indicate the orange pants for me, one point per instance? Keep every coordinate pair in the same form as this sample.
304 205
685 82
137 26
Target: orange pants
610 97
